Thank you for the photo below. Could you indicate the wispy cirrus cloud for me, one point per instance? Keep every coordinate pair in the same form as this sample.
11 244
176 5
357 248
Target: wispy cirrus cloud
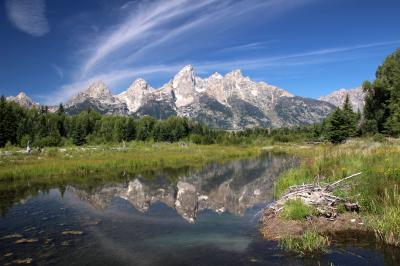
58 70
28 16
150 25
157 38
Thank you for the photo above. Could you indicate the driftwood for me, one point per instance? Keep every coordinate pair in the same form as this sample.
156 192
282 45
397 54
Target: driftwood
319 196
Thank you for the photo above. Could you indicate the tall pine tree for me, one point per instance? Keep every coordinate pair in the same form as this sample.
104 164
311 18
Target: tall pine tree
382 100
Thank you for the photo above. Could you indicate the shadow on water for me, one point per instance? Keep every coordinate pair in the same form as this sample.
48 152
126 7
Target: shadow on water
171 217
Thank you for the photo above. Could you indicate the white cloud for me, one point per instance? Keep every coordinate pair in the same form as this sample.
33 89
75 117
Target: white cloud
28 16
152 24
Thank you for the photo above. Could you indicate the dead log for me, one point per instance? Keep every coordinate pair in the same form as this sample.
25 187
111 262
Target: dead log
319 196
334 185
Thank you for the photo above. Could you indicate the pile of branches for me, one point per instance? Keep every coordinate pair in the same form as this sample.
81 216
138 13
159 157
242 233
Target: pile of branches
319 196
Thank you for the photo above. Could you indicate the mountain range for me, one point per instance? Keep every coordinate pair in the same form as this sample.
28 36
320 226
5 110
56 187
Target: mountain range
229 102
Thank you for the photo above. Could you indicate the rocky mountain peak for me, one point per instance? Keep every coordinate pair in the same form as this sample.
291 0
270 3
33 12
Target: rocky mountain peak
138 85
22 95
23 100
235 74
185 77
135 94
215 76
98 89
184 86
338 97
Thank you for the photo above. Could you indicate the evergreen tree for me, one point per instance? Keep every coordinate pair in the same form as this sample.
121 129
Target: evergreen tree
145 128
78 135
350 117
337 128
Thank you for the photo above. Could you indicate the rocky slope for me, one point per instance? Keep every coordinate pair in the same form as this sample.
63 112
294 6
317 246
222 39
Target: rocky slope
337 98
97 97
230 102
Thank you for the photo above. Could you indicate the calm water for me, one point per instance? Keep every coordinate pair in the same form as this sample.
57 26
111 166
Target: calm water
203 217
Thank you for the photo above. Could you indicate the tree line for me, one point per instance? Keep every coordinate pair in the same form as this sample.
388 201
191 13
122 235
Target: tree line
41 128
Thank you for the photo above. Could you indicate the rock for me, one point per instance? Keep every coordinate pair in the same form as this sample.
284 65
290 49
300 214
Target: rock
351 207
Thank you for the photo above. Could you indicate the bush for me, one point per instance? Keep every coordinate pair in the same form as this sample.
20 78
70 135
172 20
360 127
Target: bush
308 243
24 141
379 138
196 138
296 210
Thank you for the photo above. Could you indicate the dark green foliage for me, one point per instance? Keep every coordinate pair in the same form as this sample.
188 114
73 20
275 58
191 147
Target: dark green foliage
145 128
78 135
9 116
382 100
337 128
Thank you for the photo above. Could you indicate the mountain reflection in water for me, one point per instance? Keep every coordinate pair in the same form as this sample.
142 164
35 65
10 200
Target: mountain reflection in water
230 187
173 217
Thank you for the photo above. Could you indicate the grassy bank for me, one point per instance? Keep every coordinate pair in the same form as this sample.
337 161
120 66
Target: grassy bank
376 190
136 157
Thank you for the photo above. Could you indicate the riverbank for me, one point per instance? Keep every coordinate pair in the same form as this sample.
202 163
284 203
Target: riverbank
375 191
132 158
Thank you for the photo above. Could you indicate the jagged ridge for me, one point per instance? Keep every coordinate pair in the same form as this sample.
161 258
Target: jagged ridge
230 102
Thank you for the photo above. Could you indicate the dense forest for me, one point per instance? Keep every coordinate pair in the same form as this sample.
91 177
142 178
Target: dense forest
381 116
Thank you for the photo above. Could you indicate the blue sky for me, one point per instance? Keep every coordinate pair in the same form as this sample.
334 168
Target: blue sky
53 49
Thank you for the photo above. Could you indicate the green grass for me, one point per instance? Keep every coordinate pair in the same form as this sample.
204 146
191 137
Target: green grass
307 244
136 158
386 225
375 190
296 210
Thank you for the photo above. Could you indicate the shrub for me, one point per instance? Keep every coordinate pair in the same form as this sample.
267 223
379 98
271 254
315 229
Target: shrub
379 138
296 210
